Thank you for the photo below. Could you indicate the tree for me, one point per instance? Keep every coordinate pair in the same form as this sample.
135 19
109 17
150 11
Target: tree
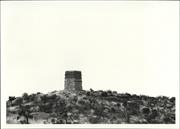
91 90
32 97
99 111
25 111
60 112
44 98
18 101
126 112
25 96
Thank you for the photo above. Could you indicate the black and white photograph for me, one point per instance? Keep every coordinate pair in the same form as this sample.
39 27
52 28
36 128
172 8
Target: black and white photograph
90 64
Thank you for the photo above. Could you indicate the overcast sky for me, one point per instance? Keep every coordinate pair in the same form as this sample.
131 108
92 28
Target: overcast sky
124 46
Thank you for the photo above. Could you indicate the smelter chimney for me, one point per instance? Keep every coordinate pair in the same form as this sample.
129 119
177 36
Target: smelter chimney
73 81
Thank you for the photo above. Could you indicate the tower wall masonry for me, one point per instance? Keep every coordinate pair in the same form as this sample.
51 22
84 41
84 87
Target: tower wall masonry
73 81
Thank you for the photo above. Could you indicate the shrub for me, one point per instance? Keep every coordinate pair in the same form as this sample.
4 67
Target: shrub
11 98
172 99
109 93
88 93
38 93
153 115
94 120
104 94
145 110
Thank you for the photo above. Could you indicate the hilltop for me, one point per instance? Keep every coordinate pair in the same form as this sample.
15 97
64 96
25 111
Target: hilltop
90 107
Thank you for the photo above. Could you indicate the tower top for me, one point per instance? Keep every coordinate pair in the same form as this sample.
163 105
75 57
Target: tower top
73 74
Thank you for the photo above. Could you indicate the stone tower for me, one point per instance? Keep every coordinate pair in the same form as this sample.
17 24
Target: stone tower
73 81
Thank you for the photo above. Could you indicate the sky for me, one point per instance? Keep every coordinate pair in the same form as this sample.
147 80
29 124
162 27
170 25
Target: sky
122 46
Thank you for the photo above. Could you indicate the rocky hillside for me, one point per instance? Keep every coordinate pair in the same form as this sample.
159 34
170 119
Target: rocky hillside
90 107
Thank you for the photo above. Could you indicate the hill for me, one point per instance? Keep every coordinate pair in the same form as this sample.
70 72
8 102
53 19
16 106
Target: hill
90 107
